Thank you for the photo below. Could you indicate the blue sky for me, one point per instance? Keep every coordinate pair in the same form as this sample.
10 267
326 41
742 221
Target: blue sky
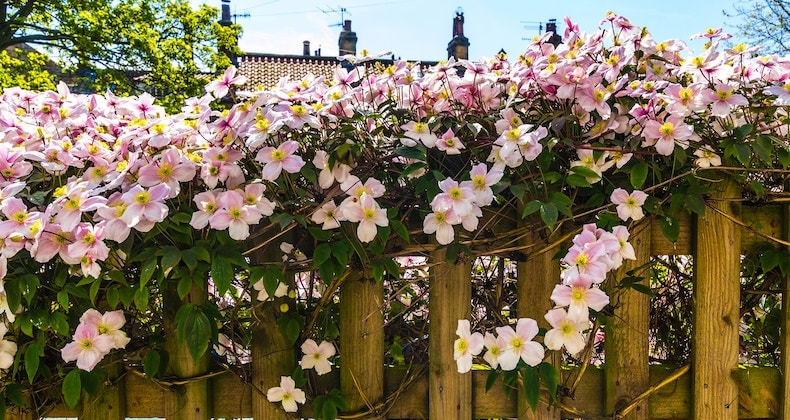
420 29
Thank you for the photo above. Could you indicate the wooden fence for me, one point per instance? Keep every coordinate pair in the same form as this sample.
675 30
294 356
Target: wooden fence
713 386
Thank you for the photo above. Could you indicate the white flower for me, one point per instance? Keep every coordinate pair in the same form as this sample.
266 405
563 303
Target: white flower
317 356
288 393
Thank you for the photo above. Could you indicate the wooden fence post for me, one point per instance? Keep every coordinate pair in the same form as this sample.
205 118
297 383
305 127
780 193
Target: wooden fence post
626 345
190 401
717 285
449 299
362 342
784 397
537 276
272 353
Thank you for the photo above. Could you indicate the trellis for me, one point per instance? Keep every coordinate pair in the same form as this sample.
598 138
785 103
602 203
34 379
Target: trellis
713 386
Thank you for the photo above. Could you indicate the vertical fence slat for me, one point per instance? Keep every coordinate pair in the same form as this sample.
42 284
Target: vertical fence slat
449 299
626 346
717 305
537 277
190 401
110 404
272 354
362 342
784 398
272 357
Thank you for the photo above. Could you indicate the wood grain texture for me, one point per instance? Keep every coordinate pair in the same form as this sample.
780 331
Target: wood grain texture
626 345
717 290
449 300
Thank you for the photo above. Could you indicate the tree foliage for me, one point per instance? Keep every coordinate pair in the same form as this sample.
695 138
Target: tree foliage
764 22
129 46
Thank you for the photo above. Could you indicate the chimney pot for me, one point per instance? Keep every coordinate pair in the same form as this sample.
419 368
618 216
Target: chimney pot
347 25
306 48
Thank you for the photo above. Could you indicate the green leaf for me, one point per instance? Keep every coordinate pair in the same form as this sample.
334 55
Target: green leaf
59 323
222 274
518 191
491 379
32 359
549 214
147 271
639 175
113 296
642 288
184 286
576 180
171 259
290 326
194 329
694 203
320 234
551 377
783 153
377 267
72 388
416 152
28 285
63 299
764 147
14 394
530 208
531 387
151 363
321 254
141 297
743 152
585 172
400 229
670 228
741 132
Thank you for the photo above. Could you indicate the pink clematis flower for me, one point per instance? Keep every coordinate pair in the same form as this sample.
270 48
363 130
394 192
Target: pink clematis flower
108 324
145 207
565 331
579 296
664 135
219 88
287 393
88 347
454 197
368 214
418 132
449 143
327 216
276 160
466 346
628 205
441 223
171 168
317 356
234 215
481 182
206 206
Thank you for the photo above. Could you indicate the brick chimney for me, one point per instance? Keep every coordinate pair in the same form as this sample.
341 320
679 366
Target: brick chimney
348 40
306 48
551 26
225 19
458 47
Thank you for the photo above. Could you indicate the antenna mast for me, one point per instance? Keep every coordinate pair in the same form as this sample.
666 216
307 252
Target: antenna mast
342 11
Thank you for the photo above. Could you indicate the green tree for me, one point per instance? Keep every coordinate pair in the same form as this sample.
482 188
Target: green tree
130 46
765 23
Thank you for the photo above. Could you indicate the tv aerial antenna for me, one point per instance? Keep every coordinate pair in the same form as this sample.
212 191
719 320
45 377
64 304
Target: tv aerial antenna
531 26
342 11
